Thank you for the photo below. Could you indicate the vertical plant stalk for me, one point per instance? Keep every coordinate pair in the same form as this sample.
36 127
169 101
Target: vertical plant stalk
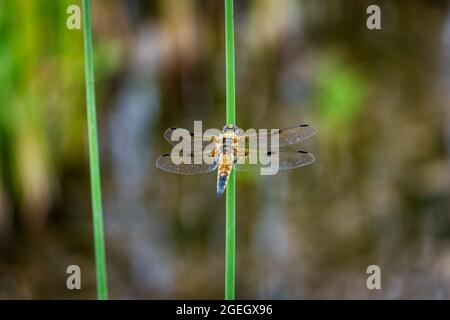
96 193
230 224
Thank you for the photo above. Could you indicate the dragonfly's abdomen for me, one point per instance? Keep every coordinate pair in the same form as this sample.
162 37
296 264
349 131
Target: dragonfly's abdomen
223 172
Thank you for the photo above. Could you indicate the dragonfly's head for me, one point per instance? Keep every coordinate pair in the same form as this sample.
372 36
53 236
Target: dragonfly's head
229 128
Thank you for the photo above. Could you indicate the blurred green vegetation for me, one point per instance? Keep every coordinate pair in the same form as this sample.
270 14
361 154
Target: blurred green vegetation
341 91
42 119
42 114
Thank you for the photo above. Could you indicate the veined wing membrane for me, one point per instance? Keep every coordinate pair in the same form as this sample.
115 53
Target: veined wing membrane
165 163
195 137
286 160
288 136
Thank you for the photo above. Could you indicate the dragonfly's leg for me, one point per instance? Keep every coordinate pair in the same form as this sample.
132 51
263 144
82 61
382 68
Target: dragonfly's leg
214 139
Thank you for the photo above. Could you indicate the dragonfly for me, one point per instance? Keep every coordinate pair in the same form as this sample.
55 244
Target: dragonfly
230 149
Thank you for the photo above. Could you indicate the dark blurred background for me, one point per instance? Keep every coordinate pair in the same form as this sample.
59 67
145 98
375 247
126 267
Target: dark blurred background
377 194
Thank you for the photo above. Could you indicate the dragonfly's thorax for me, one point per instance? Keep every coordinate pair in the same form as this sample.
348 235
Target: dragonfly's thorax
229 142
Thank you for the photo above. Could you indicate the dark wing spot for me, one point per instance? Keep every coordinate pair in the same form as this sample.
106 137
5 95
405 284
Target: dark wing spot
166 155
302 152
304 125
173 128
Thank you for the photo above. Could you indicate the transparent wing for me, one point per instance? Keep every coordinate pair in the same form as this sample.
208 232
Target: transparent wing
165 163
286 160
195 137
288 136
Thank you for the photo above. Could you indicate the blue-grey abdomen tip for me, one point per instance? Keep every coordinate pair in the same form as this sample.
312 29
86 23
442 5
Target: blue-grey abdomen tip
221 183
220 192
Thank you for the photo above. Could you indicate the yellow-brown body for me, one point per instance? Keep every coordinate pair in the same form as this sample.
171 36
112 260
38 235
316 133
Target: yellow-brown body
226 153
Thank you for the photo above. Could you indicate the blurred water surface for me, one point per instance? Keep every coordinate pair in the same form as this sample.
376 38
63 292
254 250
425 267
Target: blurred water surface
377 194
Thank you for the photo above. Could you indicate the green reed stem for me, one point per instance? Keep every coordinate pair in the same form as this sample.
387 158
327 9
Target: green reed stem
96 193
230 236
